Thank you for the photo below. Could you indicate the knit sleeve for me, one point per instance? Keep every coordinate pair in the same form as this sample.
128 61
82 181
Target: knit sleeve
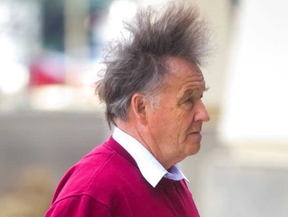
78 206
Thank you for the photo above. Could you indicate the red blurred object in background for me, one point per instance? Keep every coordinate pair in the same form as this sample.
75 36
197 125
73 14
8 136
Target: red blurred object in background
47 69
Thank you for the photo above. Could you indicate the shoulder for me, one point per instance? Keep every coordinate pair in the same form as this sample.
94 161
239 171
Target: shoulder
100 175
78 206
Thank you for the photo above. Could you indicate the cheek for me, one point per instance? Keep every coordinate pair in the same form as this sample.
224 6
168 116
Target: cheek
185 124
188 119
158 120
174 124
177 120
163 123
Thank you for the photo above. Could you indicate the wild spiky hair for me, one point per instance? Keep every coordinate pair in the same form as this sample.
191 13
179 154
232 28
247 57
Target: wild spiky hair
138 64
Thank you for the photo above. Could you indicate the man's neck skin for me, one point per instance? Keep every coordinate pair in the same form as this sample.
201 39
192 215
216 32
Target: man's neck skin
141 135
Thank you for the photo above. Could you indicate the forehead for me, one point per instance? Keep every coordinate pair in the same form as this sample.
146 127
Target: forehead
184 74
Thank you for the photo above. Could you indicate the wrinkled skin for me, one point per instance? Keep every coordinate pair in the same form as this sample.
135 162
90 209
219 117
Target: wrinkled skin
175 123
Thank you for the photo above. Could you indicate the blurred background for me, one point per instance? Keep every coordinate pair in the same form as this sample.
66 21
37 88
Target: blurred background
50 52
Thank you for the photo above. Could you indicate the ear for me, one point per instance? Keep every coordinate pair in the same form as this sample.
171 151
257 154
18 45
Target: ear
138 107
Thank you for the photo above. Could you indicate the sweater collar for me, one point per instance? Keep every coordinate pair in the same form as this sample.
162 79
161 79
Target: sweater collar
148 165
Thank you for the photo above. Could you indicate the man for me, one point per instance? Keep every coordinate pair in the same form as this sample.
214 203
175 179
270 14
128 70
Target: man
152 88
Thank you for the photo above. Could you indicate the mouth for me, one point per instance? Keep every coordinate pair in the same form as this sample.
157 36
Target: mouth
196 132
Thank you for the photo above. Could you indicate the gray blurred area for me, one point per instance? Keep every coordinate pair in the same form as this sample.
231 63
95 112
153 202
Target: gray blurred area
51 140
36 149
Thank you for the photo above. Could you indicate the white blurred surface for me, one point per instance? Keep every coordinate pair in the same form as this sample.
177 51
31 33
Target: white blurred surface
256 102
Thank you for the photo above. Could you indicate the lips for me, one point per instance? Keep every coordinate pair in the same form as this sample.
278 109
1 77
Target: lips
195 132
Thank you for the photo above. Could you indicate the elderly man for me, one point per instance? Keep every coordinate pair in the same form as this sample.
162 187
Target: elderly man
152 88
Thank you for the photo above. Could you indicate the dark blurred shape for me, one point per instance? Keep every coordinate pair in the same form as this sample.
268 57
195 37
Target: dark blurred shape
53 24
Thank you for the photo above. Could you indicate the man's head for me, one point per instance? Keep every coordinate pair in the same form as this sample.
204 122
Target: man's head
153 86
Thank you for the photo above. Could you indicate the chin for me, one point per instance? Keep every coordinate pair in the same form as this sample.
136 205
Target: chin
194 149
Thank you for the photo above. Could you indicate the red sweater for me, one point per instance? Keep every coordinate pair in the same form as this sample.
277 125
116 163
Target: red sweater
107 182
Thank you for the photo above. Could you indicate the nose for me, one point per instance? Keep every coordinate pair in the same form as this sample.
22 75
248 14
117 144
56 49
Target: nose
201 113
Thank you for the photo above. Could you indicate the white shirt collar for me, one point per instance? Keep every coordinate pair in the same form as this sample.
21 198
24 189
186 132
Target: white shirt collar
149 167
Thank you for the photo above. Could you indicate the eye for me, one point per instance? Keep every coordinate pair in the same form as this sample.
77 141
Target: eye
189 100
188 104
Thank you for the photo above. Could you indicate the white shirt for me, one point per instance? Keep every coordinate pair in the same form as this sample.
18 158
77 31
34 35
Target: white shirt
149 167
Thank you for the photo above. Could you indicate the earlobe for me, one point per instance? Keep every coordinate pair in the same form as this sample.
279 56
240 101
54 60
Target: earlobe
138 106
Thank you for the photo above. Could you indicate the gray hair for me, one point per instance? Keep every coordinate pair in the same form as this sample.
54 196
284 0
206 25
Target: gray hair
138 64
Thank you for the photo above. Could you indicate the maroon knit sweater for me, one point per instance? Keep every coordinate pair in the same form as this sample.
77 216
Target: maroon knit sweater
107 182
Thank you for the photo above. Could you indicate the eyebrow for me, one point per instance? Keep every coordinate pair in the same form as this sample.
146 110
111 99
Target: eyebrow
190 94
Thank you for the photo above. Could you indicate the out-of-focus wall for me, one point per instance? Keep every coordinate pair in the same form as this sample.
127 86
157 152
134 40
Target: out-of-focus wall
219 15
246 173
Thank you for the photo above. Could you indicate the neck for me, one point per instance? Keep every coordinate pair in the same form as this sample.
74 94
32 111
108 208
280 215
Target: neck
146 140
